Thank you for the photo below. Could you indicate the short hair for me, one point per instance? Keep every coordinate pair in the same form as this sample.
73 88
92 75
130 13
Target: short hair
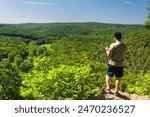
118 36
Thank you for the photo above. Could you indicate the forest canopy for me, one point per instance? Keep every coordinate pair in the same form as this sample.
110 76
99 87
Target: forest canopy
67 60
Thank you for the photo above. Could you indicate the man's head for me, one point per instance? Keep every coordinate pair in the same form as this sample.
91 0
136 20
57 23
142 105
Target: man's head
118 36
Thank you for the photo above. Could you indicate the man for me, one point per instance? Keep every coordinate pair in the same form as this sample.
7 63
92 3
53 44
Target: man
116 52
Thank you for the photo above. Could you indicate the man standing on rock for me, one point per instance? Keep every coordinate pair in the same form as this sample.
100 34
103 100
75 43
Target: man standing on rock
116 52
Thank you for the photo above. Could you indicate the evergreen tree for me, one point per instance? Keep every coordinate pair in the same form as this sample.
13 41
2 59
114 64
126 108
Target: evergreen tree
147 23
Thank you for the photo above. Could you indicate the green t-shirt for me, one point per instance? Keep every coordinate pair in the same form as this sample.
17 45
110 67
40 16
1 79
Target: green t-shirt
118 53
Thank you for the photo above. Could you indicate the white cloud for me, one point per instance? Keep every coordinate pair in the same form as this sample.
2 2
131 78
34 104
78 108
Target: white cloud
127 2
38 3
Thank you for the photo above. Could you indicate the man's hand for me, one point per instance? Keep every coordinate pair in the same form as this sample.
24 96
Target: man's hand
108 52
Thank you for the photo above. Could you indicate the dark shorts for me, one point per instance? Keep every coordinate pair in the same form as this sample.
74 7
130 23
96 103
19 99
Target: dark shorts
113 70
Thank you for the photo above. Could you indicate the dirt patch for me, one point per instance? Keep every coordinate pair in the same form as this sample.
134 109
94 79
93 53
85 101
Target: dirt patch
122 96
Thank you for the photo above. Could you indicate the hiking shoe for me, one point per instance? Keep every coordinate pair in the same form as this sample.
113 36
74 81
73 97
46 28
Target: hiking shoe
116 93
106 90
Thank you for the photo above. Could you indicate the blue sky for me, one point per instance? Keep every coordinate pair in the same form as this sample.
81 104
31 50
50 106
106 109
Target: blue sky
47 11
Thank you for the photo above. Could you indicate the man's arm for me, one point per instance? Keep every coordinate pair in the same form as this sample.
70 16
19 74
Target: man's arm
108 52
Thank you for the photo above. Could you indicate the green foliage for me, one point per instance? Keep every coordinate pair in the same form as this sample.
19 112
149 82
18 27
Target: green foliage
140 84
9 81
63 82
138 51
67 60
26 65
147 23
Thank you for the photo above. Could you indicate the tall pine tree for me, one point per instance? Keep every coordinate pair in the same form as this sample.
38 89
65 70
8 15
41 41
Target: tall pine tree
147 23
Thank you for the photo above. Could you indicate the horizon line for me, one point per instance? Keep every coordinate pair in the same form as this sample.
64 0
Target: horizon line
72 22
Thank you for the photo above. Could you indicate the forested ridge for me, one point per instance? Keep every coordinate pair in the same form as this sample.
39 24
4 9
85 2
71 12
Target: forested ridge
68 61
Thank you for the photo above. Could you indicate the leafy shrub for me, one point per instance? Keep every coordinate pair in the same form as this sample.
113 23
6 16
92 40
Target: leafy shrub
63 82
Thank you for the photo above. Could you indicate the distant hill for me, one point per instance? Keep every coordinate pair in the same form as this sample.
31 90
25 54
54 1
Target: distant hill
37 31
79 28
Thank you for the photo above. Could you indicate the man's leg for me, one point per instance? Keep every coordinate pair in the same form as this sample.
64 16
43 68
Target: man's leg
109 74
119 75
118 80
108 81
